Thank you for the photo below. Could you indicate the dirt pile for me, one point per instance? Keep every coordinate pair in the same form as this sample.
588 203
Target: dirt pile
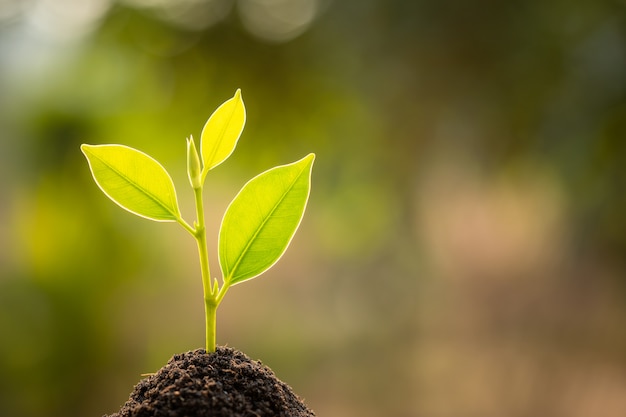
224 383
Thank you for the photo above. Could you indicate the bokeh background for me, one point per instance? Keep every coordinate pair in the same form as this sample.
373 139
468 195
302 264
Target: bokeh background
464 248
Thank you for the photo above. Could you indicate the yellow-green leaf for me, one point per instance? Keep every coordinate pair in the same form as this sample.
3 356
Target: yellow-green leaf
262 219
221 132
133 180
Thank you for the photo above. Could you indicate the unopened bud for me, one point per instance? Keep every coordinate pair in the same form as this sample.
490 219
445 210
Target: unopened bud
194 166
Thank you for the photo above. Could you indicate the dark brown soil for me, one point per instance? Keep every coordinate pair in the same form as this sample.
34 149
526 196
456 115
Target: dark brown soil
225 383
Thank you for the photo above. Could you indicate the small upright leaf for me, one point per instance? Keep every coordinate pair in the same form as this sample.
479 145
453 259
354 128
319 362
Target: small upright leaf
133 180
194 167
221 132
262 219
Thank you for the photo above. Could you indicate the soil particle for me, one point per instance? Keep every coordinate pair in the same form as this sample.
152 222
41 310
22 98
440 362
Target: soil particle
225 383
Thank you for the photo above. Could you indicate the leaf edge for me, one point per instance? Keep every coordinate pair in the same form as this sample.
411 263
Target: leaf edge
176 216
229 281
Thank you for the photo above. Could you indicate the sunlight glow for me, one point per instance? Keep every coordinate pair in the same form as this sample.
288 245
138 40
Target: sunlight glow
10 9
66 19
277 20
188 14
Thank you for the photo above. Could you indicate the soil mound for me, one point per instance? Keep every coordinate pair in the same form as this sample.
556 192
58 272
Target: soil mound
224 383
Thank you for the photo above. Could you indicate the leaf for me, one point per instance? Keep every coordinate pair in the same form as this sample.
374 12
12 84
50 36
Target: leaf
262 219
133 180
221 132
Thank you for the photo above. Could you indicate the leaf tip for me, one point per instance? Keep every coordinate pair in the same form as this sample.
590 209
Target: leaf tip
239 99
309 159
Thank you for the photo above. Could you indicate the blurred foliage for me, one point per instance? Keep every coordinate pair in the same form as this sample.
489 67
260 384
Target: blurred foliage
463 252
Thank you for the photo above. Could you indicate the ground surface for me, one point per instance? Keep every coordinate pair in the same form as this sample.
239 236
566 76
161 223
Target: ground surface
220 384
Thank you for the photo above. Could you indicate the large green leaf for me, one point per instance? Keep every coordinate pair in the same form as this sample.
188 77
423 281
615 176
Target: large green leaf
221 132
262 219
133 180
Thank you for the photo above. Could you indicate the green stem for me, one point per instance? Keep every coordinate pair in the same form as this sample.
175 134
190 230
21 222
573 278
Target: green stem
200 235
186 226
210 310
221 293
210 303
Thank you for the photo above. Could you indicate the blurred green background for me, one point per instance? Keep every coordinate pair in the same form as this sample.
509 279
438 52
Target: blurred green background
464 249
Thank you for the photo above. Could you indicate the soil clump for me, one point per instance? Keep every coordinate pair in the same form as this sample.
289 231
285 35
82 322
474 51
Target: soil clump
225 383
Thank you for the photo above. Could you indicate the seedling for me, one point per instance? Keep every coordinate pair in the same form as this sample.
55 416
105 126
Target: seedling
258 224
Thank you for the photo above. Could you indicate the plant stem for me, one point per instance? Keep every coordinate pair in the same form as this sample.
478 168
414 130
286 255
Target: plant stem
186 226
210 302
220 294
200 235
210 310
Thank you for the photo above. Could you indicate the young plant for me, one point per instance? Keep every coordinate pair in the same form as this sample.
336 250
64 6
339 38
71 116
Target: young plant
258 224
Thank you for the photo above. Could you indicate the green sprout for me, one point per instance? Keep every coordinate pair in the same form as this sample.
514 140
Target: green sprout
258 224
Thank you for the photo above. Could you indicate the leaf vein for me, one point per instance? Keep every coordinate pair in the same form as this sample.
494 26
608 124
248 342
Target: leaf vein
143 190
262 225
